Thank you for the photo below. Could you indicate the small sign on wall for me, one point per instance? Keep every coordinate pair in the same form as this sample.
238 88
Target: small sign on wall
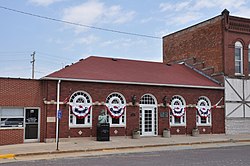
164 114
51 119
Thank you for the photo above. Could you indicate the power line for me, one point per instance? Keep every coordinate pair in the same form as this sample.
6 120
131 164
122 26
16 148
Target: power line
52 56
10 60
78 24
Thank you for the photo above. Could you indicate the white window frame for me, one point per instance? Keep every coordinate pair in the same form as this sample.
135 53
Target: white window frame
249 59
172 118
208 118
149 101
122 119
73 118
21 116
238 45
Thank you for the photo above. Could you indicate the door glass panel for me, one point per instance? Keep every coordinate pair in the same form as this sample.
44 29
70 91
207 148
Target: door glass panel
31 124
148 121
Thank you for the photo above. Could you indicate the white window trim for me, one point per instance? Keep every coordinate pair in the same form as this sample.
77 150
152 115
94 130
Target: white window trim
198 121
248 59
178 124
86 125
21 127
120 119
172 123
39 122
151 106
240 46
198 117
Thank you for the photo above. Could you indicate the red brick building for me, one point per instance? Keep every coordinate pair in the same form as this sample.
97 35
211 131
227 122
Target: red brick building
220 48
19 98
148 96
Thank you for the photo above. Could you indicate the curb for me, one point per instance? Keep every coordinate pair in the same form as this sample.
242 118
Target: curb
121 148
7 156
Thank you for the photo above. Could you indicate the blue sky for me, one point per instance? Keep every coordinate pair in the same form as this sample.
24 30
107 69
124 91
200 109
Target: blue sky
58 44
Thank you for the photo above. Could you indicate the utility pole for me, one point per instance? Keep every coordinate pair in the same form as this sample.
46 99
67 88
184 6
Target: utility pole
33 64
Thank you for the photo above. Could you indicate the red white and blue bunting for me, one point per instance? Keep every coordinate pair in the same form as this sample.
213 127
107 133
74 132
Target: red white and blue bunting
177 107
80 109
80 106
115 109
203 107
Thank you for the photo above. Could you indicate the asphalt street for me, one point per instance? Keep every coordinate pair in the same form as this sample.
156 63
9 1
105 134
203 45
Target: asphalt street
222 156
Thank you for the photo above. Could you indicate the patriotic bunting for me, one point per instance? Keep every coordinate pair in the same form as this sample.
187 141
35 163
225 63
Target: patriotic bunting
203 107
177 107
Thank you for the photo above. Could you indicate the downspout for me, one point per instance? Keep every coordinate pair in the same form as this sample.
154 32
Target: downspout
57 109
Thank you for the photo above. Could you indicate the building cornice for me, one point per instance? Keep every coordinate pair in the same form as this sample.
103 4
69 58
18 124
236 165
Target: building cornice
132 83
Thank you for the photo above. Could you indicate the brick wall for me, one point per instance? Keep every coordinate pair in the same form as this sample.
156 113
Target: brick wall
211 42
21 93
203 41
99 92
230 39
11 136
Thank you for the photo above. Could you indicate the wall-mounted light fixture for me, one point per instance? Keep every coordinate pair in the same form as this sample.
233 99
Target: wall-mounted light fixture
133 98
164 101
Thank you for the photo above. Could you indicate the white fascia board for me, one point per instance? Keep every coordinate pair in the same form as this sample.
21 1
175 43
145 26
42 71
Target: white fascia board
132 83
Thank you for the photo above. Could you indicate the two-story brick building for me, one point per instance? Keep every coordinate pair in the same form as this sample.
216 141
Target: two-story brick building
220 48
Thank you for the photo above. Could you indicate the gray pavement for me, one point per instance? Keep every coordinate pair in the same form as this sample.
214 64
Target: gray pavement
90 145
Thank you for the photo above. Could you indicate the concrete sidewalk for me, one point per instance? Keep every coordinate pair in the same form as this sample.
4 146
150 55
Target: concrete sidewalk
72 145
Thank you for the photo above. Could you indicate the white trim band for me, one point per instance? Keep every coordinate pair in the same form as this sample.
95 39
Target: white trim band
132 83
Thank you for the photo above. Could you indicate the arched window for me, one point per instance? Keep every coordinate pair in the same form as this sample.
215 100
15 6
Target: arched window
203 114
238 57
148 99
116 106
249 59
80 109
178 111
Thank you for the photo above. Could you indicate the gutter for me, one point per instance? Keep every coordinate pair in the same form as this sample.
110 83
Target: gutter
132 83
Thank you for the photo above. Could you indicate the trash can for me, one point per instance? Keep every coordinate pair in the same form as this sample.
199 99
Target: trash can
102 132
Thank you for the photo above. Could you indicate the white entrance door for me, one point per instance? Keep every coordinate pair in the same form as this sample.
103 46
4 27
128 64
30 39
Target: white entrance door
148 121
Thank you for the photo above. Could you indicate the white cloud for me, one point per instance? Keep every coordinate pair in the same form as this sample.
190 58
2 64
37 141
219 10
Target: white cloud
123 43
187 17
192 10
95 12
176 7
229 4
146 20
166 6
162 33
198 5
242 12
43 2
234 4
55 40
87 13
87 40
